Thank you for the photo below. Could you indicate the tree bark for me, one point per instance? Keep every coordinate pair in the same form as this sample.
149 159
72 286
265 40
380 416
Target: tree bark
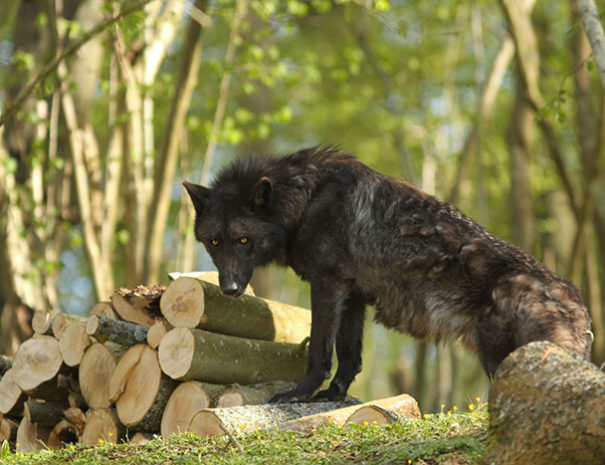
386 410
249 418
195 303
187 354
118 331
594 31
546 406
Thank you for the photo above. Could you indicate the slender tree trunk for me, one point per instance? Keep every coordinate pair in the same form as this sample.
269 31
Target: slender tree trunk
169 149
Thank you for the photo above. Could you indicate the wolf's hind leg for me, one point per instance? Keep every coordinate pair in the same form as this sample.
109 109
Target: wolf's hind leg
348 349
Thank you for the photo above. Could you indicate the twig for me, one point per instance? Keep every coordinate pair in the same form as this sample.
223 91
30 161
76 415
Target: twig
70 50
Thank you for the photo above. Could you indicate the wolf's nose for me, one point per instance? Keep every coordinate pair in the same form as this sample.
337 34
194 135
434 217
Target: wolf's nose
231 289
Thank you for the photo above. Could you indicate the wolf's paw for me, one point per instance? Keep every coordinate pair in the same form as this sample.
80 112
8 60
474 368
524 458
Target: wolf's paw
290 396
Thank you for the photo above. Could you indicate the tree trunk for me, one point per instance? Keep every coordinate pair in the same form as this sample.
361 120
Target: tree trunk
194 303
385 410
187 354
594 31
546 406
249 418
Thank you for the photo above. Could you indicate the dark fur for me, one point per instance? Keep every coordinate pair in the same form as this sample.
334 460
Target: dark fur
360 237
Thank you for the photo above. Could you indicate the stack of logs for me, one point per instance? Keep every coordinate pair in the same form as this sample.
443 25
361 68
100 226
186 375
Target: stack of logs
157 360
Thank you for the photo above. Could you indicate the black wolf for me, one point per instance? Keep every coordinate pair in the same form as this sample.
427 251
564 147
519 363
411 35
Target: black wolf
363 238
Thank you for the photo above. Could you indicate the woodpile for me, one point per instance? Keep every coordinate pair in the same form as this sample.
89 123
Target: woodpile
155 360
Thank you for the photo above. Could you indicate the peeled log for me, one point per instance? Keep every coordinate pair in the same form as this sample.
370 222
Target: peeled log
248 418
546 406
94 374
187 354
73 343
194 303
122 332
184 402
37 360
391 408
139 389
102 424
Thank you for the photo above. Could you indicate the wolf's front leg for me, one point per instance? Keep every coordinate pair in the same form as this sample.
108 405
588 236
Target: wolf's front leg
348 348
326 305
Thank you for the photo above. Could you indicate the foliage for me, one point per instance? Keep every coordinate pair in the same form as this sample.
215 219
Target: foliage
441 438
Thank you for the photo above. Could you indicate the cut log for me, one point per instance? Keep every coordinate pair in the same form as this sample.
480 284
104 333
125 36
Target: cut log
184 402
234 394
61 320
6 363
44 413
8 429
156 333
10 392
139 388
102 424
37 360
391 408
140 305
208 276
194 303
187 354
94 373
546 406
104 309
64 432
248 418
122 332
42 322
31 436
73 342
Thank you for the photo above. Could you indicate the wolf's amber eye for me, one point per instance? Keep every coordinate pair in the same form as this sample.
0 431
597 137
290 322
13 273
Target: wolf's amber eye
243 239
214 242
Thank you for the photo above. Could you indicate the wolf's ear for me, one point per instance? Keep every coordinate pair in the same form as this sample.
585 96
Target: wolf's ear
262 192
199 195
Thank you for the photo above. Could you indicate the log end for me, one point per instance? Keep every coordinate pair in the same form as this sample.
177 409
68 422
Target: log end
182 304
176 352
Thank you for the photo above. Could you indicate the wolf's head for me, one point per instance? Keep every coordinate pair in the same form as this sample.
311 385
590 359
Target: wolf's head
236 223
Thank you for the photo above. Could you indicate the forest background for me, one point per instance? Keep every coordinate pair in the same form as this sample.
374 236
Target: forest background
494 105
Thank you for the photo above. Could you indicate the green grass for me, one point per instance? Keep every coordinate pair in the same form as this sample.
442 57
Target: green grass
449 438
